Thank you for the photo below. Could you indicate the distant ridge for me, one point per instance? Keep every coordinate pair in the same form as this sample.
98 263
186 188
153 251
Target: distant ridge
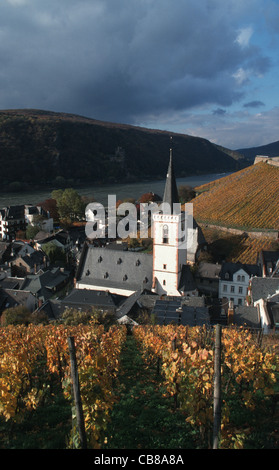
44 148
245 200
270 150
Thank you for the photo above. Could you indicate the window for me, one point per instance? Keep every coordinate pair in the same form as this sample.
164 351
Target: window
243 278
232 289
165 234
164 283
239 301
225 288
238 277
164 266
227 276
240 290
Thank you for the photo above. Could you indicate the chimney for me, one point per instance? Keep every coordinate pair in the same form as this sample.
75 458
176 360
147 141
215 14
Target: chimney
230 313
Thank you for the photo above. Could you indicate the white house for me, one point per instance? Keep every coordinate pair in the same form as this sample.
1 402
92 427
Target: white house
234 281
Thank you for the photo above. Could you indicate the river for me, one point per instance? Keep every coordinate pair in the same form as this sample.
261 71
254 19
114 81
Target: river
100 193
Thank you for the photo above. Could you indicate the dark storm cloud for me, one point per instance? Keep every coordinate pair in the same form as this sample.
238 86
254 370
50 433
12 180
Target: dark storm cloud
253 104
123 60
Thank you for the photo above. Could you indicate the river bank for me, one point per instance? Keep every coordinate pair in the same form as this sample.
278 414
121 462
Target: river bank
100 193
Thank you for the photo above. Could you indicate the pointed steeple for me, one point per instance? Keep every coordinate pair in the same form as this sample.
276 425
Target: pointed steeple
170 193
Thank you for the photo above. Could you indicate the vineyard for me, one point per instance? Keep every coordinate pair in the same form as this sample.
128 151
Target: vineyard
175 371
246 200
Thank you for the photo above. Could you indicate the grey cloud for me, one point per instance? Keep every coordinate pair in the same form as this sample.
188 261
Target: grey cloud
253 104
125 60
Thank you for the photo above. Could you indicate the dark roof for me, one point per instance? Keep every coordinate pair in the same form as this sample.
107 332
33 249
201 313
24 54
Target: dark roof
12 298
269 259
116 269
187 282
13 212
170 193
84 298
273 310
11 283
43 284
171 311
263 287
246 316
35 258
232 268
209 270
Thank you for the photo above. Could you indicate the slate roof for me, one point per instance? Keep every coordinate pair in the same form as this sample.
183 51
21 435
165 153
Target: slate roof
209 270
263 287
273 310
84 298
116 269
171 311
232 268
43 284
12 298
269 260
246 316
187 282
170 192
35 258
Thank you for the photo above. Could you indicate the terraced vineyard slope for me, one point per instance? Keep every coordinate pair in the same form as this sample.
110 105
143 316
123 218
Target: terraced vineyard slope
245 200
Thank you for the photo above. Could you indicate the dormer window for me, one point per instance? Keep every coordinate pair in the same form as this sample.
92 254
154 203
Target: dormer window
119 261
138 262
125 277
227 276
106 275
100 259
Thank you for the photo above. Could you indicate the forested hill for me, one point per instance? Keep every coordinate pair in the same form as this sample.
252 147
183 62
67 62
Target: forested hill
40 148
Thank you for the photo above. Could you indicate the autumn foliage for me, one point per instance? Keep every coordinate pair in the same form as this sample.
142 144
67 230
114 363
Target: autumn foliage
31 356
186 355
247 199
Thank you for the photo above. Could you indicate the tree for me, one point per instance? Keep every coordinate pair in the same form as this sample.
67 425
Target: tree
149 197
70 204
50 205
56 255
186 193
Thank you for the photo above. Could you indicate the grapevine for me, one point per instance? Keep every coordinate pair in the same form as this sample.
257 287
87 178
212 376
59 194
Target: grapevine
188 371
44 349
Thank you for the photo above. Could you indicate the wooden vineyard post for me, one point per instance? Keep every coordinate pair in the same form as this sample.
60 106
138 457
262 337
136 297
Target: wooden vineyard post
76 390
217 388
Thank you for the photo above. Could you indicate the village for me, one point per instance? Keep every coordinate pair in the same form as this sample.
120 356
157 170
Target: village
61 270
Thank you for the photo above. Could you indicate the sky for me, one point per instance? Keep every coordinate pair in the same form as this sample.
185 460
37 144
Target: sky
206 68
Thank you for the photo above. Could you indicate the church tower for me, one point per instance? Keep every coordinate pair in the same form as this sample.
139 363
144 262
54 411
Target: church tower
169 248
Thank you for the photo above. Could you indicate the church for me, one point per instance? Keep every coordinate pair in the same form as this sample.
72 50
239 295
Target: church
165 272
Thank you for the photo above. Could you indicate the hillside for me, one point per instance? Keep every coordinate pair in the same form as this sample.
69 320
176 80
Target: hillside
270 150
247 199
45 148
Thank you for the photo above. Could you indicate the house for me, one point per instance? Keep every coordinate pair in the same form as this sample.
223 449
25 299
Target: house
61 239
207 278
119 272
45 285
13 297
234 281
29 263
269 263
12 220
5 250
264 294
85 299
31 214
173 310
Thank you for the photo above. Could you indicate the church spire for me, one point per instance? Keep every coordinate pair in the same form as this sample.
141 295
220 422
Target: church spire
171 193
